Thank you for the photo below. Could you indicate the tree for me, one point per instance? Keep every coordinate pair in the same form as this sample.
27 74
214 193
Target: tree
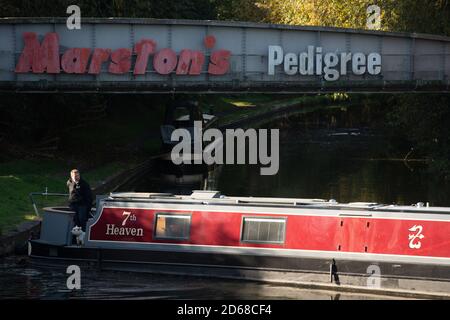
167 9
427 16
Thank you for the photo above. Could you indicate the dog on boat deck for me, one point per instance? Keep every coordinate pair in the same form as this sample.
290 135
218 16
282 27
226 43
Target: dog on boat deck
79 233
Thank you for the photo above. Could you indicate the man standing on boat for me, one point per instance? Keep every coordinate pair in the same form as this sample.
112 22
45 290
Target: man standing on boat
80 198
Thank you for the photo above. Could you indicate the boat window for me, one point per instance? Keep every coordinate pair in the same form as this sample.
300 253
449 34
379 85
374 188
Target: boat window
263 230
170 226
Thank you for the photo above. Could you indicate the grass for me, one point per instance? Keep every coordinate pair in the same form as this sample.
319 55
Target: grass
243 104
247 100
236 108
17 180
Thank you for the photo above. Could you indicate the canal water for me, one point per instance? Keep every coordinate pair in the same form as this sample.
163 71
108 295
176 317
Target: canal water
341 162
345 164
329 157
20 280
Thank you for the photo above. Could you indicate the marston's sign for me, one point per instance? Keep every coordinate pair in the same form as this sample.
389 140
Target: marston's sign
45 57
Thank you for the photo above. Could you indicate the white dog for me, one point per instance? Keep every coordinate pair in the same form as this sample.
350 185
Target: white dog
76 231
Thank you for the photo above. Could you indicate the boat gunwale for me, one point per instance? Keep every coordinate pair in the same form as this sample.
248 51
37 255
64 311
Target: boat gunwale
291 205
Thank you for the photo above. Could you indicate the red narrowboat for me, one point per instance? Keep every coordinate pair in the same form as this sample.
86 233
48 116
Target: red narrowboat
366 247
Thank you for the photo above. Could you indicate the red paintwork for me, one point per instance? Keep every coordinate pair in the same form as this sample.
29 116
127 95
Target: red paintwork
143 49
346 234
120 61
219 62
165 61
98 57
75 60
45 57
194 59
209 41
39 57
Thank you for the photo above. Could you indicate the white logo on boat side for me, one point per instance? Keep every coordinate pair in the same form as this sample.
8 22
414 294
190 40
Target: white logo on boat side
414 239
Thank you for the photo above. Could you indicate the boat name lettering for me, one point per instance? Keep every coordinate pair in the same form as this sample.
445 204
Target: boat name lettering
128 215
113 230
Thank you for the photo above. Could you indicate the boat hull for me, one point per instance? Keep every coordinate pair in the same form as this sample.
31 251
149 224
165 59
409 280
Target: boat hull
408 280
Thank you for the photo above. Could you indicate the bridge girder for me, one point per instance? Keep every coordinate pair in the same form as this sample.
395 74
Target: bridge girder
409 62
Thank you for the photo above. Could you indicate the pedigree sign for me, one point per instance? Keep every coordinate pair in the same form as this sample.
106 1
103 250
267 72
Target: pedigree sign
43 57
330 65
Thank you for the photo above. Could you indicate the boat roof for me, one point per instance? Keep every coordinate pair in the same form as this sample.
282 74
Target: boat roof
207 197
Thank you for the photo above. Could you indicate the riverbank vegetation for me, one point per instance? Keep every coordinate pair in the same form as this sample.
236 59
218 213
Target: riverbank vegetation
425 16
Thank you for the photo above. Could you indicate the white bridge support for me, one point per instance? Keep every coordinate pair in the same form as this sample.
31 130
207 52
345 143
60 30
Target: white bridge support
409 62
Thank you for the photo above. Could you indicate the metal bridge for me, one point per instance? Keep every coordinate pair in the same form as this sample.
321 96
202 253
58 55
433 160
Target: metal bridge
153 56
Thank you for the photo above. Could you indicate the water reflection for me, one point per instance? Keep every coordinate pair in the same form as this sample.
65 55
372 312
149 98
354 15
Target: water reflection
19 280
329 165
328 160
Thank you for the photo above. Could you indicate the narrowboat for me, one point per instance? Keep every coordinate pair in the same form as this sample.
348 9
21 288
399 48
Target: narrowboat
314 243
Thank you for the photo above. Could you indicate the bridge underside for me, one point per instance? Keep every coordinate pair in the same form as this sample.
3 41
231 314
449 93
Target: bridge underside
217 88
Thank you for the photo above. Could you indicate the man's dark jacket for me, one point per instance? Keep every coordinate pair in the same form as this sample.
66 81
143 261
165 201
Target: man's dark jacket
79 193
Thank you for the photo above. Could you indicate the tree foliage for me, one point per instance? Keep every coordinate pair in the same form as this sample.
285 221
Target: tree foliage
428 16
168 9
420 121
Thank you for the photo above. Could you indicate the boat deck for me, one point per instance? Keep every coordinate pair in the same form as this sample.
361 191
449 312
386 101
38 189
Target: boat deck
212 198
